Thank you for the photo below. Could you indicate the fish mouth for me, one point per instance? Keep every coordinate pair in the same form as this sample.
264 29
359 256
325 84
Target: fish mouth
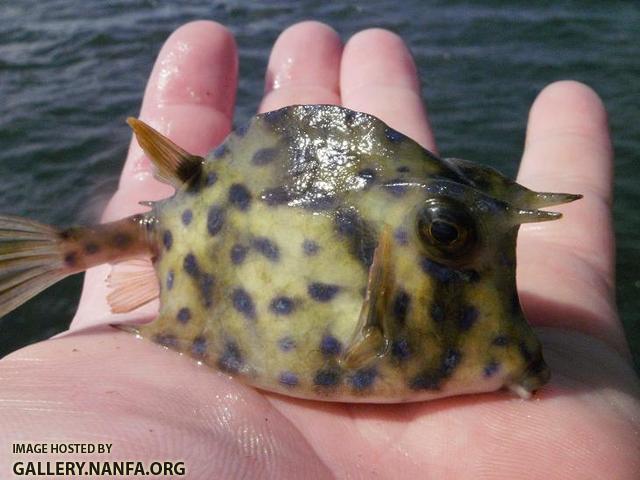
534 377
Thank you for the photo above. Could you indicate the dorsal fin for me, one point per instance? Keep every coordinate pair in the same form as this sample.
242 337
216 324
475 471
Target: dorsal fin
371 335
175 165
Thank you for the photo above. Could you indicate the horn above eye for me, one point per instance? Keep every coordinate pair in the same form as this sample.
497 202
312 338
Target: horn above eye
446 229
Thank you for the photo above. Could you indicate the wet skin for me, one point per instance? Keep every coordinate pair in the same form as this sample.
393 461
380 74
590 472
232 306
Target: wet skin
149 401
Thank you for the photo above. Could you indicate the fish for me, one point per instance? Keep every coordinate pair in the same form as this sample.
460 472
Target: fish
317 253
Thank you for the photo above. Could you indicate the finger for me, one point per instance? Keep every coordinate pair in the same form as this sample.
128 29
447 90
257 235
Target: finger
378 76
304 67
570 263
189 97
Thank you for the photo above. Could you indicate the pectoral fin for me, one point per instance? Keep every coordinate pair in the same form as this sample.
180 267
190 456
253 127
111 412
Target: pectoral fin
370 339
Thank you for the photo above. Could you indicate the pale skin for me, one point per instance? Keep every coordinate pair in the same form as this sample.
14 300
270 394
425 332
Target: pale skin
97 384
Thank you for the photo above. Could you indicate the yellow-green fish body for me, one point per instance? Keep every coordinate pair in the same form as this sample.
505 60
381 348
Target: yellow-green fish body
321 254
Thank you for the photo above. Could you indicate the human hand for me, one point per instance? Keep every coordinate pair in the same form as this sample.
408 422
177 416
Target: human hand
98 384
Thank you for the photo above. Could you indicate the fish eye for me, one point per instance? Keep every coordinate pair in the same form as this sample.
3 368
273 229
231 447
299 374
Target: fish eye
446 229
444 232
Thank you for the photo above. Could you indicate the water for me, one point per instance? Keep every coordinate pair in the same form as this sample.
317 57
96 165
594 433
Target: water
68 80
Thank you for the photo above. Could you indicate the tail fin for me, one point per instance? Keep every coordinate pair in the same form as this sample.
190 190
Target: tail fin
31 259
34 256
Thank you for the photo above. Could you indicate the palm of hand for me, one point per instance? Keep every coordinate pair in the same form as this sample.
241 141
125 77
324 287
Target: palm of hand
97 384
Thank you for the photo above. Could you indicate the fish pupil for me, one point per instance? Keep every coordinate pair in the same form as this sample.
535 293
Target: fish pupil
447 230
443 232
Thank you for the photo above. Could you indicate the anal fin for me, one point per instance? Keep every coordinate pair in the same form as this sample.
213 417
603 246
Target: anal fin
371 336
133 283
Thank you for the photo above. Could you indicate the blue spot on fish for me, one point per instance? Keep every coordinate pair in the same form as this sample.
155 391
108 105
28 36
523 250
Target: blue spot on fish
220 151
326 377
275 116
212 178
400 307
206 283
264 156
241 130
323 292
167 340
190 265
468 317
282 305
445 274
438 271
368 175
167 239
288 379
239 196
267 248
275 196
199 347
401 236
400 349
450 361
393 135
330 345
425 381
231 359
286 344
215 219
363 378
491 368
187 216
501 341
309 247
184 315
238 253
243 303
